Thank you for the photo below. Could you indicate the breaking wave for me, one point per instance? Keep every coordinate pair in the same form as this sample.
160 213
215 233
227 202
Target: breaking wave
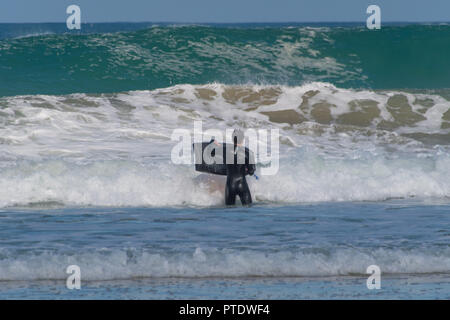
106 264
114 149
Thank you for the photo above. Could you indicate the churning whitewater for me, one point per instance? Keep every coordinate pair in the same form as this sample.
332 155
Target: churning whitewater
114 149
107 264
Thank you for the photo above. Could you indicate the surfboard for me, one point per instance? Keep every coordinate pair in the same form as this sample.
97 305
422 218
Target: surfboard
218 167
219 164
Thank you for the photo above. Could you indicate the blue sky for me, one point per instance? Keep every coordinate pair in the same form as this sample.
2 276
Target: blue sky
224 10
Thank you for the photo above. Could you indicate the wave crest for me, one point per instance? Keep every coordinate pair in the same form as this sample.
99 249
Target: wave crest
130 264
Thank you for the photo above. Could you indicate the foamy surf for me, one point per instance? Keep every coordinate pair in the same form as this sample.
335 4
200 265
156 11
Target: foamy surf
132 264
114 149
302 177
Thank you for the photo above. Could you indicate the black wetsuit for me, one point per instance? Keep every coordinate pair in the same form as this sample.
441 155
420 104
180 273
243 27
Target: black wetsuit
236 172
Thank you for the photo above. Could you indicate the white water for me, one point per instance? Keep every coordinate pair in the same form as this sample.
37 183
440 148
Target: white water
128 264
301 179
114 150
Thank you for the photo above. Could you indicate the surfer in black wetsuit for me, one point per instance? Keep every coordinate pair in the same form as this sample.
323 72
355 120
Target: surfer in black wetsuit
243 163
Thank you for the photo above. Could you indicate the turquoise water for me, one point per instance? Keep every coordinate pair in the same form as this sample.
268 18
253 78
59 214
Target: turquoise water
86 177
45 59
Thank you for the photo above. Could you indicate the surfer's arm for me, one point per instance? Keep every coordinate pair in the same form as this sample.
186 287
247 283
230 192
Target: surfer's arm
251 169
250 166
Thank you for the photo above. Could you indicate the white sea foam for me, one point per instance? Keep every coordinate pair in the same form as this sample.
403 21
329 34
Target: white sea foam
114 150
35 34
117 264
305 178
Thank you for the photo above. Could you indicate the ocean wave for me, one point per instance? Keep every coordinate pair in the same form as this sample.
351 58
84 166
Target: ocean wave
312 109
115 264
114 149
303 178
403 56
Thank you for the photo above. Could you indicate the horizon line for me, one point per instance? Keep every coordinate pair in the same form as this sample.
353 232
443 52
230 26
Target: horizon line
236 22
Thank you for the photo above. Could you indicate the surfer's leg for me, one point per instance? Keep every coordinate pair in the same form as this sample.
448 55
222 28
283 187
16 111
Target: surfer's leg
230 194
244 193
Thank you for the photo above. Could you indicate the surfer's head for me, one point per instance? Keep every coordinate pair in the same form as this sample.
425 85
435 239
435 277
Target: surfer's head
238 136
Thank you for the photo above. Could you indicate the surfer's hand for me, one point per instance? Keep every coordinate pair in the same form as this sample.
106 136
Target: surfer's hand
215 142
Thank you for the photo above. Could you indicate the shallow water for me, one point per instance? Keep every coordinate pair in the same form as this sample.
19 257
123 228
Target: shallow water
267 252
345 287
